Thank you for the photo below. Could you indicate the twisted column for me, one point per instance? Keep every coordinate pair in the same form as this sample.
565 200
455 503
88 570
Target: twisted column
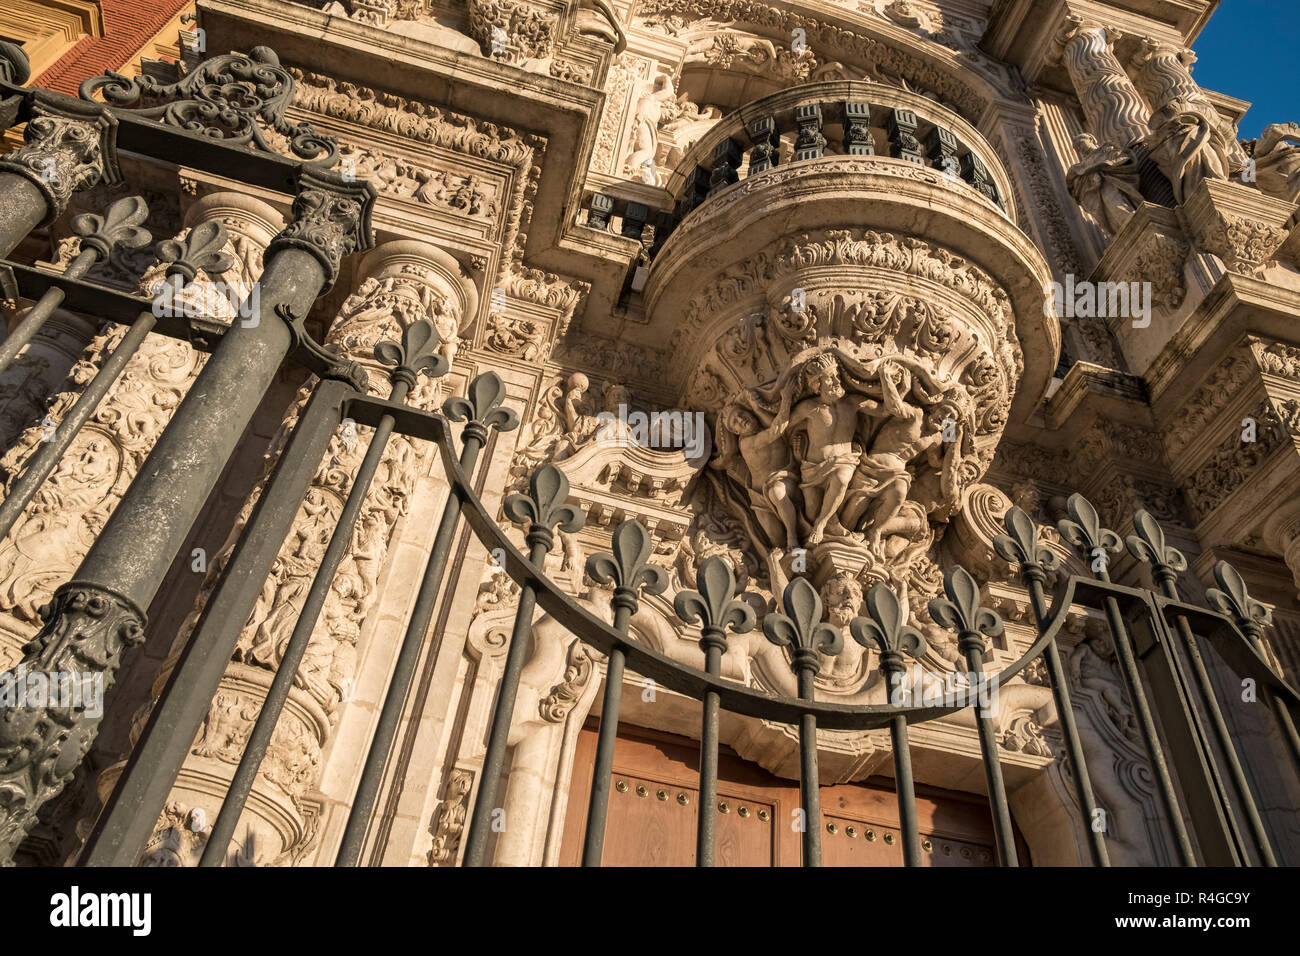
1115 111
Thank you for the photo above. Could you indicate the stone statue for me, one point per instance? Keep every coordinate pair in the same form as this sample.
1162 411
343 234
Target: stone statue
765 469
1277 161
1185 145
828 420
1104 182
645 132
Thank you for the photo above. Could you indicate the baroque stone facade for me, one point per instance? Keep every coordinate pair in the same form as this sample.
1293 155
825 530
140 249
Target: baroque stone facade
823 245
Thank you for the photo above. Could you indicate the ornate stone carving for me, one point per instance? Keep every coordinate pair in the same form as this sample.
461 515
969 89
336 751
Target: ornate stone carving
1233 462
1186 145
513 32
1105 183
329 221
449 822
1277 161
578 670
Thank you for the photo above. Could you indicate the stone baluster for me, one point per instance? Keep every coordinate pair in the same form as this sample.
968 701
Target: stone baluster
1115 111
92 619
767 144
402 282
726 165
903 143
857 129
809 142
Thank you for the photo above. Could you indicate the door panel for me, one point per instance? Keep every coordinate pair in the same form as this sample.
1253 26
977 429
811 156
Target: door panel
654 802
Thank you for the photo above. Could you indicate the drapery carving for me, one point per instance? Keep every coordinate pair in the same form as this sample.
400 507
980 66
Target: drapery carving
1104 182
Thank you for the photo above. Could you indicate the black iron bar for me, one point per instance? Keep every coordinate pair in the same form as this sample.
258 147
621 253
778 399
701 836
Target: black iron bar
907 819
390 715
972 644
1033 578
42 309
241 784
593 843
809 787
141 792
1254 634
1147 726
707 825
539 542
47 457
1167 580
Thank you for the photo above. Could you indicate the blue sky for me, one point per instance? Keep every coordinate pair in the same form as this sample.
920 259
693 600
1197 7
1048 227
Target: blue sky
1248 50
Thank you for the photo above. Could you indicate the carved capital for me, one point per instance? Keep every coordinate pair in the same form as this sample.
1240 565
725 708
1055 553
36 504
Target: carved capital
68 146
331 219
1240 225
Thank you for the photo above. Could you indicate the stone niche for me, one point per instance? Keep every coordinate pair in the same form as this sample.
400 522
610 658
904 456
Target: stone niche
860 332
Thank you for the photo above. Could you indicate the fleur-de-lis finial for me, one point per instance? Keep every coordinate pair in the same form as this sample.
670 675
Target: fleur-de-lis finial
801 628
629 568
1148 544
544 508
119 226
887 630
481 407
713 605
1021 545
961 611
200 250
1232 598
417 354
1086 533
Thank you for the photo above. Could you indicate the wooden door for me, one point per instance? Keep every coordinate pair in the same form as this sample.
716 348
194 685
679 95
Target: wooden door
654 803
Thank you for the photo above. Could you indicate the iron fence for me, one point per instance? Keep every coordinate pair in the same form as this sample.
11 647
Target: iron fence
98 614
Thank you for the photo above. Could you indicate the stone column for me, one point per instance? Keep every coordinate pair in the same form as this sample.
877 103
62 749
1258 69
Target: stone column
39 370
1115 111
92 620
403 281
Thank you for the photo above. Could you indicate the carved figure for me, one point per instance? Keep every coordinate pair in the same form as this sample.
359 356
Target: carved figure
1104 182
1185 146
1277 161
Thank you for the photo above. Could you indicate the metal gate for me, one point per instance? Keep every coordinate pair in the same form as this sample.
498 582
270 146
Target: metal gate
210 121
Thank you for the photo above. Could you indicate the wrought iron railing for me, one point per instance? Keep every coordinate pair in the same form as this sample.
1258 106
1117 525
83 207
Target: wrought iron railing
95 616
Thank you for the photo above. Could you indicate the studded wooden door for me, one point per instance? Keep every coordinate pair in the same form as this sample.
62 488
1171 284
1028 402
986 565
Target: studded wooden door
654 801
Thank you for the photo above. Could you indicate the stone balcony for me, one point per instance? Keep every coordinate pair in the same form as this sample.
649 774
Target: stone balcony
884 213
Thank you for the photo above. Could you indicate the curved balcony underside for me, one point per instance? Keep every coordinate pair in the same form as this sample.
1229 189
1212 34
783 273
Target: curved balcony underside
874 193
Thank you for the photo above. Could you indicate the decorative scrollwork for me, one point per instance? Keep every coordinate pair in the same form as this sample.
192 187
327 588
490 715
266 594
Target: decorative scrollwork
1085 531
1232 598
228 97
15 68
714 606
629 568
961 611
801 628
1021 545
887 629
119 226
1148 545
544 508
416 355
